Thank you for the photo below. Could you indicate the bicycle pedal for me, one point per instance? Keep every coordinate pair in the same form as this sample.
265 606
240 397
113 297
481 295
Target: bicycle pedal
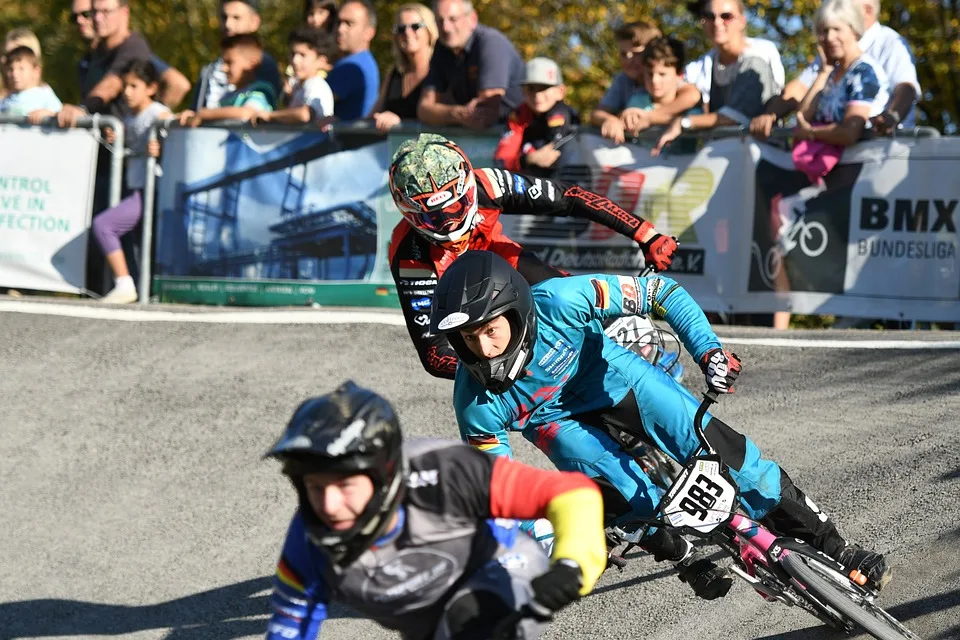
857 577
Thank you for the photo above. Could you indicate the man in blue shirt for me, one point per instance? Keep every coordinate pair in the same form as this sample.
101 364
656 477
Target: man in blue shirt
355 79
536 360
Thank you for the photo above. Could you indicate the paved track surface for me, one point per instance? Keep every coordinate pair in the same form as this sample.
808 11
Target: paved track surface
134 503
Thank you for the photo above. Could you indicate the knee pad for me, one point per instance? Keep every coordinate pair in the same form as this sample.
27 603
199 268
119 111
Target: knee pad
475 614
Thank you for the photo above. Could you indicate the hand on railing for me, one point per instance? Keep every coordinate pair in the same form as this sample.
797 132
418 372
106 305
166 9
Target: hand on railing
69 114
109 135
39 115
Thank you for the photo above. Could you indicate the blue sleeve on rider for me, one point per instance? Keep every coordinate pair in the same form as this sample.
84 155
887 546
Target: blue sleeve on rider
665 299
299 600
478 417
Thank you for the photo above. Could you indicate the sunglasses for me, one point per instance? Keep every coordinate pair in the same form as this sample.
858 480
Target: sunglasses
400 29
709 16
76 15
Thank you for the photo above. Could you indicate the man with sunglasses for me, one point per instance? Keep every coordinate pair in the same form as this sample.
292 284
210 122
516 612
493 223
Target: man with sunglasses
736 78
449 207
174 86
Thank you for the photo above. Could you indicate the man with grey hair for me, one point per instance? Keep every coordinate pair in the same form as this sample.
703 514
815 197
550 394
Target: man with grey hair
884 45
475 72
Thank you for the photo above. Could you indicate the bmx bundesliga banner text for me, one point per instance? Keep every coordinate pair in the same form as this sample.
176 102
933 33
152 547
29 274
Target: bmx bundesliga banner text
46 191
877 238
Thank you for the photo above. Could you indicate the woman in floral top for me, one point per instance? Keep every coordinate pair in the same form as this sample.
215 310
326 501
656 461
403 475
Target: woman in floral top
850 89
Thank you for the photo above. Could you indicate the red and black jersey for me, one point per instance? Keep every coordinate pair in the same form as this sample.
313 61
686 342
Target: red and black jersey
527 131
416 263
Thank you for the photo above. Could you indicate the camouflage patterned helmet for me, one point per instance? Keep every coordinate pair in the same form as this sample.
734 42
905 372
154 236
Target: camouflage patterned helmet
432 183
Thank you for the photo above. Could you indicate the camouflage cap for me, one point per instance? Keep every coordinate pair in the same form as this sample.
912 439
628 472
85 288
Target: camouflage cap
422 165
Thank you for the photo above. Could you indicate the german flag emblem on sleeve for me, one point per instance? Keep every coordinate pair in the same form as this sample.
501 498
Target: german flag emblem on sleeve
601 292
556 120
484 442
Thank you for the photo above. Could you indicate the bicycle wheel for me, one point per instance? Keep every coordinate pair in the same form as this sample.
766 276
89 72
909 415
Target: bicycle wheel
839 594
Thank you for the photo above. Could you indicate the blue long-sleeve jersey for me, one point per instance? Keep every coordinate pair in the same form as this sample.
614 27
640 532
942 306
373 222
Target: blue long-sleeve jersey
575 368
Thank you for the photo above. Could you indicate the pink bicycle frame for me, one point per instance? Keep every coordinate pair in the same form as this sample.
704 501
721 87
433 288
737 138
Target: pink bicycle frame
754 541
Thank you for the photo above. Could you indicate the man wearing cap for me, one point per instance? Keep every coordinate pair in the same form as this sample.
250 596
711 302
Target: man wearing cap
236 17
541 125
475 72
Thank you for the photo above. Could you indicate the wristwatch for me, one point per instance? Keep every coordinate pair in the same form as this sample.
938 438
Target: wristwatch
685 123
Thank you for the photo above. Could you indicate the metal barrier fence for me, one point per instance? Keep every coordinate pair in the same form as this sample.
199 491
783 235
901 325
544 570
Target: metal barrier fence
341 135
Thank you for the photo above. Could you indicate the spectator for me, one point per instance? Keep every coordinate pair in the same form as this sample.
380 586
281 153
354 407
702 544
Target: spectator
736 78
623 108
174 86
116 47
140 84
237 17
242 55
321 15
28 96
885 46
475 72
355 77
415 34
312 99
541 125
18 37
663 62
850 89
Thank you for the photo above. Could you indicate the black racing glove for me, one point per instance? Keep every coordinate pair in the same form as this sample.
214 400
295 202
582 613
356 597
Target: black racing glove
558 586
721 369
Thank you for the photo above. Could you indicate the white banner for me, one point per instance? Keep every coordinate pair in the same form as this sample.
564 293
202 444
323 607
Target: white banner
877 239
46 193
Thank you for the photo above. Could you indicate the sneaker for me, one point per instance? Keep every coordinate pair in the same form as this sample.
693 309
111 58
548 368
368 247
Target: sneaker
120 296
707 579
867 568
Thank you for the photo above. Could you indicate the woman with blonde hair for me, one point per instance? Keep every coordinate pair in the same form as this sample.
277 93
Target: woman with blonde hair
414 35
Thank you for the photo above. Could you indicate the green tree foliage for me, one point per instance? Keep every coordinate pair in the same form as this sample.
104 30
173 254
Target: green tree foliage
576 34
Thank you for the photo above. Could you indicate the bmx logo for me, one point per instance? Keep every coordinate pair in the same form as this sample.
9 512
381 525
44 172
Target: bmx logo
793 231
455 319
343 441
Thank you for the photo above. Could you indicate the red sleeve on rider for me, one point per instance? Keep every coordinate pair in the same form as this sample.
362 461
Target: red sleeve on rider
521 492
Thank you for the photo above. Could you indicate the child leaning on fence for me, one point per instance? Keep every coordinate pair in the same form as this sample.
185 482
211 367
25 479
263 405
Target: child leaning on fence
140 85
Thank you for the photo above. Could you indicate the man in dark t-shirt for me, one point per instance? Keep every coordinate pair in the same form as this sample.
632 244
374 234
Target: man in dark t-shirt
475 72
101 86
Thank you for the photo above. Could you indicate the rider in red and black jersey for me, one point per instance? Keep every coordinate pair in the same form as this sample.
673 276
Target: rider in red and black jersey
449 207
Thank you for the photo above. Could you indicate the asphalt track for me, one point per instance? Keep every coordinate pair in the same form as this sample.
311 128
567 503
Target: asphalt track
134 504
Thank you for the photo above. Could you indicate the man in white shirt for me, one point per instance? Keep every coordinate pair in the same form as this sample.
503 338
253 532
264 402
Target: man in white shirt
884 45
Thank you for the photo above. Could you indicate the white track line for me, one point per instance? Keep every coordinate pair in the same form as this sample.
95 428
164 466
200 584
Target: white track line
389 317
306 316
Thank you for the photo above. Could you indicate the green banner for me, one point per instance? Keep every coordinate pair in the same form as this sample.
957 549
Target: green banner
273 293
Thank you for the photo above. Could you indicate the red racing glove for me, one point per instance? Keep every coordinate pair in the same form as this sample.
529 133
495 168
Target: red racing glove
721 369
658 251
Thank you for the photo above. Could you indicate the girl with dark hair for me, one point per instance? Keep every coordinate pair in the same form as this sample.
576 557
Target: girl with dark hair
320 14
140 86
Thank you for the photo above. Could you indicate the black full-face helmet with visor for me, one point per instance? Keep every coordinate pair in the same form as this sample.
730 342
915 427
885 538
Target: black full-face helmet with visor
349 431
476 288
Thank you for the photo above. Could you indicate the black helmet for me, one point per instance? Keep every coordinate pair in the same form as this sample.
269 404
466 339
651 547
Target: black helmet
476 288
352 430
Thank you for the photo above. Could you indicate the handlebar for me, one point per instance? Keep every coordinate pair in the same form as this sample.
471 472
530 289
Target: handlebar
709 398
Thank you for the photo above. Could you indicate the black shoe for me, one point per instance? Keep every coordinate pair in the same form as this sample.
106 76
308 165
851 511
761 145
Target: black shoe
707 579
867 568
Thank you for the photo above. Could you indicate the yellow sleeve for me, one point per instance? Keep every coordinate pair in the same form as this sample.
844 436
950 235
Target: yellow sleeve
577 519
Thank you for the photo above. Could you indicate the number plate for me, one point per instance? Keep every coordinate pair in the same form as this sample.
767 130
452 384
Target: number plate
704 498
